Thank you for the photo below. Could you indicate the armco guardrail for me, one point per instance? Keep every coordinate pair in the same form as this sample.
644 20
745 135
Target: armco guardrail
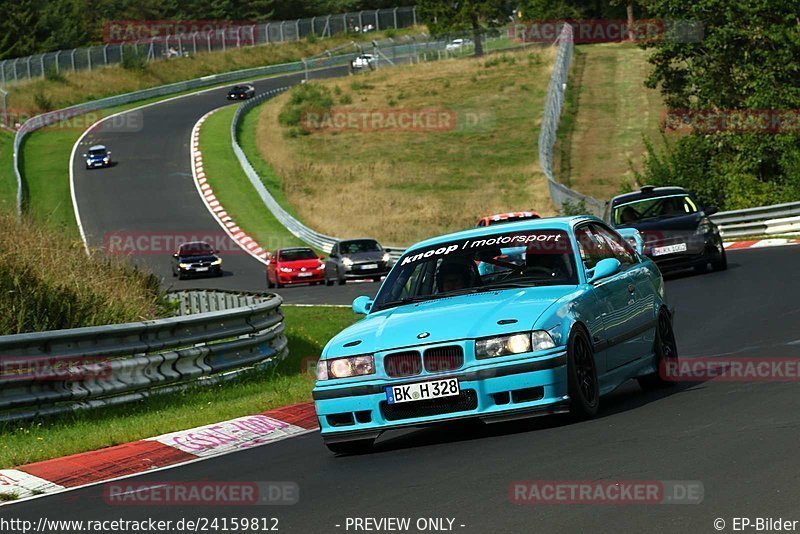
217 336
765 220
560 194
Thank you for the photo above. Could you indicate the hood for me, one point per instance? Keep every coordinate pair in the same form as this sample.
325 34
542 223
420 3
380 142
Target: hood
461 317
311 263
365 256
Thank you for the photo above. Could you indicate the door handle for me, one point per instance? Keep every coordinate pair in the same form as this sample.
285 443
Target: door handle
631 288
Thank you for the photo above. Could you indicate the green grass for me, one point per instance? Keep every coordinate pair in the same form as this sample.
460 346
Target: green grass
232 187
307 329
607 115
8 182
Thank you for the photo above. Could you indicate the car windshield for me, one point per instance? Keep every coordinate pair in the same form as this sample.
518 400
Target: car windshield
239 89
653 208
358 246
297 254
195 249
97 152
486 263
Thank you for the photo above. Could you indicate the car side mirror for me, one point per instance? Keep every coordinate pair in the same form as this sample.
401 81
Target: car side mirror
362 305
85 156
322 258
604 269
175 255
710 210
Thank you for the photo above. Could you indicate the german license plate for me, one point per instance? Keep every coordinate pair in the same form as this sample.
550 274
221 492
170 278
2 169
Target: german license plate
370 266
303 275
422 391
201 269
670 249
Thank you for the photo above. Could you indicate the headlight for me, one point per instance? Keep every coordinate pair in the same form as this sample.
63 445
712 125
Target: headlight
184 265
492 347
387 257
346 367
347 262
704 227
105 160
285 270
321 266
217 262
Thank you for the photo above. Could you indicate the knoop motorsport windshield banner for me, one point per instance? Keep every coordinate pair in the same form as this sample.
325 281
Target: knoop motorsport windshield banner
541 242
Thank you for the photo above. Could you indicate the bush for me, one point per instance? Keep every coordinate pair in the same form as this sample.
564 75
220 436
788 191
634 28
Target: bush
54 75
48 283
42 101
569 208
133 58
304 98
731 171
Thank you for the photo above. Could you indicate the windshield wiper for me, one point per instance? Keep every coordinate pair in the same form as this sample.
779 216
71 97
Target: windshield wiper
408 300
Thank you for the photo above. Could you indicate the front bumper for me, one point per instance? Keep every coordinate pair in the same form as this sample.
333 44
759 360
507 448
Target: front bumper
490 391
356 273
97 164
696 253
295 278
213 270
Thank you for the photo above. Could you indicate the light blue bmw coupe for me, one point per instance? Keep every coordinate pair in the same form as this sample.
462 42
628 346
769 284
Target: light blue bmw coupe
568 311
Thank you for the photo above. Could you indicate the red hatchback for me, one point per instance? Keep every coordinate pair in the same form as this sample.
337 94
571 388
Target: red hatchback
294 266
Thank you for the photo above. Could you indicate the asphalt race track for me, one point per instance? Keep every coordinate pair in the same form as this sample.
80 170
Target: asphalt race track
738 439
149 193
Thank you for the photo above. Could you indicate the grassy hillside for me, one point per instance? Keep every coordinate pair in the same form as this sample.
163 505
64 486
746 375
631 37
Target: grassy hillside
608 113
399 185
48 283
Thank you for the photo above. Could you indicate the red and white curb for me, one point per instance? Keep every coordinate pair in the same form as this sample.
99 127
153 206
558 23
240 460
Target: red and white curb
157 453
760 243
247 243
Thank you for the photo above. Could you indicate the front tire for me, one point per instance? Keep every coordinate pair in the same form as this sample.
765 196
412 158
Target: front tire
347 448
584 388
720 260
666 351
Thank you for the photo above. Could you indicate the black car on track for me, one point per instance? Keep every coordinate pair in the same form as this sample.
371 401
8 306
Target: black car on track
241 92
196 258
675 227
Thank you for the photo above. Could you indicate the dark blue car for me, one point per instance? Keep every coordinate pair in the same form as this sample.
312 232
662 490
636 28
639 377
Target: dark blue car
98 156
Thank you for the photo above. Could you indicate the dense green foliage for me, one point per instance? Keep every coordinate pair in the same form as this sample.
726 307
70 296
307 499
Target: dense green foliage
36 26
747 59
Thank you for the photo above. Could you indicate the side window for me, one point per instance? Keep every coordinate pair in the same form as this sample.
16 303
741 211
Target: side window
619 248
592 246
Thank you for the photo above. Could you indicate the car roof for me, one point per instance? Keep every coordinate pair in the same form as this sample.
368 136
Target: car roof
291 249
511 214
648 192
551 223
358 239
97 147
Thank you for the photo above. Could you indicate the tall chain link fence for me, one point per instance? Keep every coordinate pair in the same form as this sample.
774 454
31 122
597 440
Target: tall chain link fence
565 199
187 44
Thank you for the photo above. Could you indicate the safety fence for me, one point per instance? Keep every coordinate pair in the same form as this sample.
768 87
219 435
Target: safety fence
234 35
216 336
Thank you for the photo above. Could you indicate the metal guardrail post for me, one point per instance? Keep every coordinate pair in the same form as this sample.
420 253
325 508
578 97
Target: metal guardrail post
4 100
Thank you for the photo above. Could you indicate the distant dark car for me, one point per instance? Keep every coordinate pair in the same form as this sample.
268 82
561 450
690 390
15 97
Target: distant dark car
241 92
356 259
676 228
363 62
294 266
196 259
98 156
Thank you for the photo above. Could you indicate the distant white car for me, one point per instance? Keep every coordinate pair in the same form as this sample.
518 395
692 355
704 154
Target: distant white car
363 62
457 44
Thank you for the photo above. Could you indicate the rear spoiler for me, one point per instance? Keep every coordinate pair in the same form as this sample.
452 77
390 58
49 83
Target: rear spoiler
633 237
